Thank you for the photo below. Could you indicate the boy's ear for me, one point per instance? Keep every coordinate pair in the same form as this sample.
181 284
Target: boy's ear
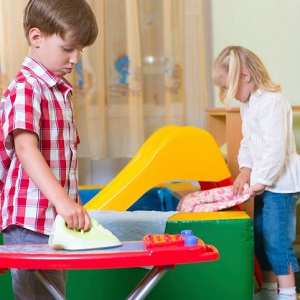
35 37
246 75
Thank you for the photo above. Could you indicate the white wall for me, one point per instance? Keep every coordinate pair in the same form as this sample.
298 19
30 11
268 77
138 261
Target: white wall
270 28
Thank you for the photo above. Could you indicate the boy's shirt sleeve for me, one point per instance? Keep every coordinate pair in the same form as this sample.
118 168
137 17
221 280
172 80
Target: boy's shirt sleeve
21 111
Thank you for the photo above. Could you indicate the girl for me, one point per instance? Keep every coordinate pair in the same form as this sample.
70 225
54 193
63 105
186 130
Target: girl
268 162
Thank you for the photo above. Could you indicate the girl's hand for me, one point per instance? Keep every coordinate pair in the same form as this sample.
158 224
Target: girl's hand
242 179
255 189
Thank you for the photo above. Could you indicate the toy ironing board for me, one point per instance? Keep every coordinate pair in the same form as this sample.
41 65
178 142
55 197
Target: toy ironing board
162 252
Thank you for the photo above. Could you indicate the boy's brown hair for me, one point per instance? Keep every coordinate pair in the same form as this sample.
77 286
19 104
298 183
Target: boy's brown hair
74 18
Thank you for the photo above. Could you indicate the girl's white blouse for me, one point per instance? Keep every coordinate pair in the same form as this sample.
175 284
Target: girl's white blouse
268 145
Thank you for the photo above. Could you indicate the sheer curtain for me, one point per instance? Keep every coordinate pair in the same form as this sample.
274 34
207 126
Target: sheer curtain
150 73
13 46
146 70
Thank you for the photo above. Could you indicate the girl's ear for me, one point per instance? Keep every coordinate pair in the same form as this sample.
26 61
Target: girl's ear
246 76
35 36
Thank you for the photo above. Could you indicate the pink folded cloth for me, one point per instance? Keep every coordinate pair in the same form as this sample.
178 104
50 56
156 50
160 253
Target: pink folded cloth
211 200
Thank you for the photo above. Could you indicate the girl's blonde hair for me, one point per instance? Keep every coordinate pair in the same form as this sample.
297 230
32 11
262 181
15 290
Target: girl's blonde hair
231 61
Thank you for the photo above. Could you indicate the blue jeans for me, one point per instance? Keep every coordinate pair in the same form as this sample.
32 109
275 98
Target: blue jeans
275 231
25 285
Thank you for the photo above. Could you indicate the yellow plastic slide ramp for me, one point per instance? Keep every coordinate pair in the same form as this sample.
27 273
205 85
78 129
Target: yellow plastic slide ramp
171 153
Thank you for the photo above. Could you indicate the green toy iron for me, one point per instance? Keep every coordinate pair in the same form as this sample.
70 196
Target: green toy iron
61 237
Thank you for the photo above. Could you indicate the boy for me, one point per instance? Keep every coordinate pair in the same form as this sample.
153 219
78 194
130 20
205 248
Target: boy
38 138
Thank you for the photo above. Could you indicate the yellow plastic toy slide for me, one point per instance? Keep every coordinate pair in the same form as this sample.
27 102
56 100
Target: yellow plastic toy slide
171 153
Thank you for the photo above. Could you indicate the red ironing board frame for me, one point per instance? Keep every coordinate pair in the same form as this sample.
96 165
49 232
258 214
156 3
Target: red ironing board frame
131 254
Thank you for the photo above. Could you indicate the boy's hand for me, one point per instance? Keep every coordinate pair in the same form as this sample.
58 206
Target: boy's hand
74 214
26 145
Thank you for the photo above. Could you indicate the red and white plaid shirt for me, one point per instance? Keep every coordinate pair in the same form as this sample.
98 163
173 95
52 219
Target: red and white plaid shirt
38 101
